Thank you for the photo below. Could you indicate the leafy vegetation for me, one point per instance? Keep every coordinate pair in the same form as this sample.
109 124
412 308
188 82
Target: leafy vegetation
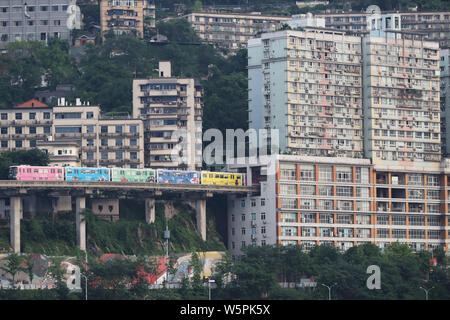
259 272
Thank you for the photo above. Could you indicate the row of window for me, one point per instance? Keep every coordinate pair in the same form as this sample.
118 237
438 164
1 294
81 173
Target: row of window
293 217
30 23
106 155
252 202
361 233
325 173
253 230
29 9
253 216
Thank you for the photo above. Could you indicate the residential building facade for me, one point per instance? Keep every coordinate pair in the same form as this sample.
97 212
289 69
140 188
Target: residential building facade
445 99
341 202
435 26
171 110
33 20
103 141
308 85
126 16
401 101
232 31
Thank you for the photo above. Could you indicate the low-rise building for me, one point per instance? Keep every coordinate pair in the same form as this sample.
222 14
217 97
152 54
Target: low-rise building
341 202
102 140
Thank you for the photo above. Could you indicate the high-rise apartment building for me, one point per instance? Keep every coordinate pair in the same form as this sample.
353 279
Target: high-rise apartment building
171 109
401 101
445 99
126 16
103 141
433 25
33 20
308 85
342 202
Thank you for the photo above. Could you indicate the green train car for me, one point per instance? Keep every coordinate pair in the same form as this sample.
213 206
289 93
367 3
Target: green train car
133 175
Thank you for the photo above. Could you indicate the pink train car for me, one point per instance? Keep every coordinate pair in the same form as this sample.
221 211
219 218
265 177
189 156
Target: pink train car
34 173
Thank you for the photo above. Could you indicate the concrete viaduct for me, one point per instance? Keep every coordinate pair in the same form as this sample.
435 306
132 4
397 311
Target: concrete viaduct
15 190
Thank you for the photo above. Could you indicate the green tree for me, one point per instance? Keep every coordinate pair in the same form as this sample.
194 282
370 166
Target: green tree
13 266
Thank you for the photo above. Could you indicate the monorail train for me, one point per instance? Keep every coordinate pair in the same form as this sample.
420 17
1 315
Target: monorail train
39 173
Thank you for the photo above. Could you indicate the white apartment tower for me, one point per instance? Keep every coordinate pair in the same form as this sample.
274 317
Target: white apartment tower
401 101
308 85
171 109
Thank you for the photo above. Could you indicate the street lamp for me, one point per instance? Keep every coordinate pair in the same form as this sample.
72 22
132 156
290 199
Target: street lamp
329 289
209 285
426 292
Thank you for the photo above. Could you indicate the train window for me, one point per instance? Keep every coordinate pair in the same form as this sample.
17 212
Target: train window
59 170
221 176
225 176
75 171
36 170
29 170
52 170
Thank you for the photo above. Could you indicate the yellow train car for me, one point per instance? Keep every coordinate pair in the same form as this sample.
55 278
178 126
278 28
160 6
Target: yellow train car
223 178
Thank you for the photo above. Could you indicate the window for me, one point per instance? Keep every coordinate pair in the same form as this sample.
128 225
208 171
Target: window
119 154
18 143
32 130
4 130
89 115
382 233
46 129
32 143
18 116
288 189
344 191
290 203
288 172
253 202
307 190
46 115
288 217
325 173
433 194
398 220
416 220
263 202
383 219
307 172
118 129
32 115
4 116
133 155
291 231
343 174
263 216
18 130
433 221
243 217
4 143
90 129
415 179
104 129
105 155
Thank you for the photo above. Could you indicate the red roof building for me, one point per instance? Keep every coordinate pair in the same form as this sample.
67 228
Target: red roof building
33 103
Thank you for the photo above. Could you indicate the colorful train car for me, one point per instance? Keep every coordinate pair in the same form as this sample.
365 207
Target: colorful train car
87 174
133 175
36 173
223 178
178 176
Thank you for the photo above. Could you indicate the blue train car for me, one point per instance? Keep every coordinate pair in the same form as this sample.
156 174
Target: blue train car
178 176
87 174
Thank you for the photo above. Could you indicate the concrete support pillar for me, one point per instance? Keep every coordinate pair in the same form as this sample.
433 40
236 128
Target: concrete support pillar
80 205
15 216
200 209
150 210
